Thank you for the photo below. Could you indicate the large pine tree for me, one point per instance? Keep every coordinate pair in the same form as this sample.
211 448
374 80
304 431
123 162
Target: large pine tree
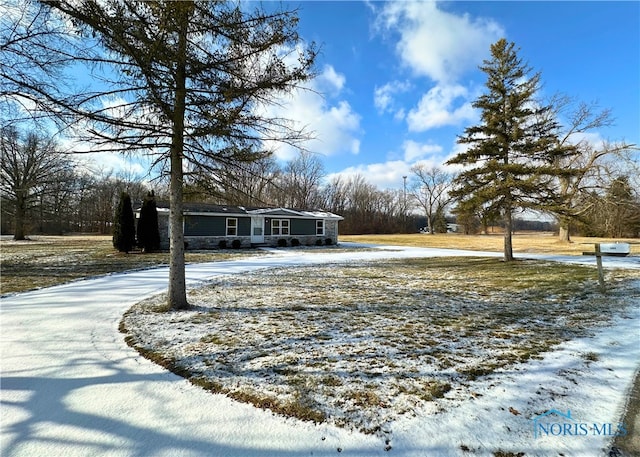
191 82
509 162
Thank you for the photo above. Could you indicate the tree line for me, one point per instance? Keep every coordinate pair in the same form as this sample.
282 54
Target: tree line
46 191
49 192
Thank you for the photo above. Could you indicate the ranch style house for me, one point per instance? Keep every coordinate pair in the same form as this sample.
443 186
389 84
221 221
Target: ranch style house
208 226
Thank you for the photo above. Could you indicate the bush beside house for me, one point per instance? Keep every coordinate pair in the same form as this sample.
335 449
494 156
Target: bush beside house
124 233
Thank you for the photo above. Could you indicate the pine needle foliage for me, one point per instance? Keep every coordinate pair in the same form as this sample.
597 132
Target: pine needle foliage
192 83
124 233
147 230
510 161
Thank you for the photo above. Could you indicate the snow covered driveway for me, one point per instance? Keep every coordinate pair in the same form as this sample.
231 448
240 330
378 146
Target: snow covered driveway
71 386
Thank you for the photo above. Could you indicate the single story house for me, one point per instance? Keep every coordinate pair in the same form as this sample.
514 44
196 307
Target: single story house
208 226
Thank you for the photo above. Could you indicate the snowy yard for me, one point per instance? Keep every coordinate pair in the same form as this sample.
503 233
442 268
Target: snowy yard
369 345
441 358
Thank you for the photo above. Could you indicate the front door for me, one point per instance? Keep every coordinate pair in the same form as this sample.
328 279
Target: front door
257 229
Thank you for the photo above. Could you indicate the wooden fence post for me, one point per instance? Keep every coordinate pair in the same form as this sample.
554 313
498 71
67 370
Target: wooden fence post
599 263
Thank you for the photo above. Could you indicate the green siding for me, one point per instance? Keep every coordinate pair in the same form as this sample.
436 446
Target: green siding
204 226
214 226
244 226
217 226
303 226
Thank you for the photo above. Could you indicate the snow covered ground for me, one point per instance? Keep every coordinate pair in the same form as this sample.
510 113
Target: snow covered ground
71 386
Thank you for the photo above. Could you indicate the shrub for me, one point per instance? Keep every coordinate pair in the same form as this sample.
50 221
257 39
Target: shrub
222 244
282 243
124 232
318 242
148 232
328 241
236 244
295 242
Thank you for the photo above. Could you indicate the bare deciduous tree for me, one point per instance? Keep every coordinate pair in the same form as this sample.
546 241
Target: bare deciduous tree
299 183
366 209
431 191
613 212
30 166
591 162
248 183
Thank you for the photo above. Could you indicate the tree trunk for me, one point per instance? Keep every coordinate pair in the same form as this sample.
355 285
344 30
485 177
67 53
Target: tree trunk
564 222
177 281
564 234
20 216
508 230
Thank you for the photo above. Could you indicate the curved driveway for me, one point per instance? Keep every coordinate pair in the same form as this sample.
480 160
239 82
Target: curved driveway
71 387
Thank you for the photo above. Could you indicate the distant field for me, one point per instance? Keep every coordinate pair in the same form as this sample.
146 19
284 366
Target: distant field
49 260
526 242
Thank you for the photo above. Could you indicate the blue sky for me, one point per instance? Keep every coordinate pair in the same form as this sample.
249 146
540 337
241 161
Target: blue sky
399 77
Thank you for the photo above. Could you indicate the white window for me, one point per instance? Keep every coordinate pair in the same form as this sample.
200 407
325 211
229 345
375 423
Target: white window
320 227
279 226
232 226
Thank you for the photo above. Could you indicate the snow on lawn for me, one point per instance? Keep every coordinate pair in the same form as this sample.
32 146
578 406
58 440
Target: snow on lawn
444 356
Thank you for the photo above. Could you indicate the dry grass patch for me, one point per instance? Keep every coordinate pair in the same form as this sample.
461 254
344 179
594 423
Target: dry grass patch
46 261
360 345
544 243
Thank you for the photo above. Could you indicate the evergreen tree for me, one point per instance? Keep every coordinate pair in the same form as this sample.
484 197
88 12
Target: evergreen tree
509 164
615 214
148 233
124 234
467 218
623 214
194 81
440 221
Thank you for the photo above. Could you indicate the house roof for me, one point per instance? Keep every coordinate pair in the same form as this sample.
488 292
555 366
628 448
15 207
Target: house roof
211 209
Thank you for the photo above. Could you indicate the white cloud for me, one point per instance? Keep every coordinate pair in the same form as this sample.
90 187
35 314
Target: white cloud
383 97
385 175
335 127
437 43
100 162
389 174
437 108
400 114
442 46
593 139
414 150
330 81
97 155
116 163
